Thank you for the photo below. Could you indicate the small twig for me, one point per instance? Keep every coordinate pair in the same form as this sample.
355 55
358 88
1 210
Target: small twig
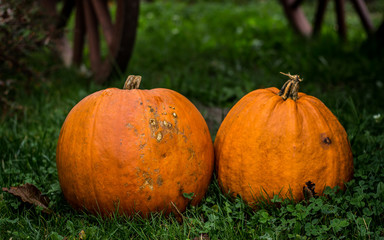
178 211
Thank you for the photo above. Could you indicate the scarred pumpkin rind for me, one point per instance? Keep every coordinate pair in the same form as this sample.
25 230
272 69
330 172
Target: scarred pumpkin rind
134 151
269 146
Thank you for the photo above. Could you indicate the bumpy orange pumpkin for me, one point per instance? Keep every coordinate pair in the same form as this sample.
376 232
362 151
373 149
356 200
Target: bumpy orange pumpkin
281 143
134 151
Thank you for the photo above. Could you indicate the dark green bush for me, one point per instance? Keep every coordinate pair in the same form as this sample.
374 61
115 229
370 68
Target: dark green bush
23 33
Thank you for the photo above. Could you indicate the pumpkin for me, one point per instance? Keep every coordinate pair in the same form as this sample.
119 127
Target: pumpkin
283 143
134 151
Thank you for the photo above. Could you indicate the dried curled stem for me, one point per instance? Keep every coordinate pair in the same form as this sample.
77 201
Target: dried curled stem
132 82
290 89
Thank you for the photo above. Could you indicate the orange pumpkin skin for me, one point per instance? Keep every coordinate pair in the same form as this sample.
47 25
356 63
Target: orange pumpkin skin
269 146
134 151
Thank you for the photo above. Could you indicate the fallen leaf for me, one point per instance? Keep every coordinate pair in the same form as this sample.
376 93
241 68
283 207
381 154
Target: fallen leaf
309 190
82 235
30 194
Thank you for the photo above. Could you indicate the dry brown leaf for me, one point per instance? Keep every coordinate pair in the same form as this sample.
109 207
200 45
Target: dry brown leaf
82 235
31 194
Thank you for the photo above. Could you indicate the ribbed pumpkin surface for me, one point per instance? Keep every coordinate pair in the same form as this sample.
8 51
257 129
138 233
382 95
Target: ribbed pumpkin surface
135 151
267 145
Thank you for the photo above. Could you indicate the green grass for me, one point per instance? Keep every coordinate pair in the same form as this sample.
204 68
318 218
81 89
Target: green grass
213 53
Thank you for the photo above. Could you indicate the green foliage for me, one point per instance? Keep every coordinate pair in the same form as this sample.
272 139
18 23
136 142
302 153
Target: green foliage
212 53
23 34
22 30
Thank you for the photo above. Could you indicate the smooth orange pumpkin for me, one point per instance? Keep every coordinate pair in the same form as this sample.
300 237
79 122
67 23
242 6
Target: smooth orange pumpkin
134 151
281 143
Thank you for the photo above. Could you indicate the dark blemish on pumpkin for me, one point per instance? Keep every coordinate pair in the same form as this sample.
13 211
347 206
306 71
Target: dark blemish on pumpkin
146 177
164 155
138 171
154 126
159 180
166 124
141 103
191 154
142 145
159 136
174 115
151 108
181 189
325 139
128 125
152 122
148 182
149 198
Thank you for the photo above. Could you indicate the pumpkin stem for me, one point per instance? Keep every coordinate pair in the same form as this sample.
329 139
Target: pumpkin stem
290 89
132 82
